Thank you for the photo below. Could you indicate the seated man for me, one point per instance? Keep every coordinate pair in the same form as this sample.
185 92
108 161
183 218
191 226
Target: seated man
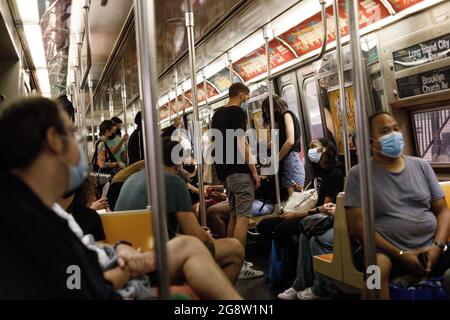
40 251
412 220
228 253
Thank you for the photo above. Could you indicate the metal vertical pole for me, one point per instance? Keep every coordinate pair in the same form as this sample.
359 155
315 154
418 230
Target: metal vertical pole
197 139
124 97
144 12
91 99
176 93
363 139
82 102
230 65
343 101
274 148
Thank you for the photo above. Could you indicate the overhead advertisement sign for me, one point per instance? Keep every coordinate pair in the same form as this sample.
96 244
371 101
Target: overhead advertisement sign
255 63
422 53
400 5
424 83
307 36
221 80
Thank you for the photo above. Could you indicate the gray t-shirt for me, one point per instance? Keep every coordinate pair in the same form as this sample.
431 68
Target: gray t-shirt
133 195
402 202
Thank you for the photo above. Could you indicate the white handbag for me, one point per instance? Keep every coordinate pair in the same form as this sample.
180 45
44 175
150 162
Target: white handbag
302 201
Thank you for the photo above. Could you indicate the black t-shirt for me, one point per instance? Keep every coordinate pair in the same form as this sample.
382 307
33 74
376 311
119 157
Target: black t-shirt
330 183
282 127
88 220
230 117
167 132
38 250
136 146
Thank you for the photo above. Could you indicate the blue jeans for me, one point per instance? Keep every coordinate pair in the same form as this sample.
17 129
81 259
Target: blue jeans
306 277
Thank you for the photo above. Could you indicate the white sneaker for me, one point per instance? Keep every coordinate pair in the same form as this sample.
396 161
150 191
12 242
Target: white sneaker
307 294
289 294
248 272
247 264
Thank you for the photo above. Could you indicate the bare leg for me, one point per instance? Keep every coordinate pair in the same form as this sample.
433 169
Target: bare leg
217 216
189 259
240 229
385 265
230 256
231 225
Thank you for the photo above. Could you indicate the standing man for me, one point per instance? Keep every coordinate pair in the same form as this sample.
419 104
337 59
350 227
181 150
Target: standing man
117 142
237 171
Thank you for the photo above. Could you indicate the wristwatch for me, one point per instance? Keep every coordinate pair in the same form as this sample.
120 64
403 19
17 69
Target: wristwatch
442 246
122 242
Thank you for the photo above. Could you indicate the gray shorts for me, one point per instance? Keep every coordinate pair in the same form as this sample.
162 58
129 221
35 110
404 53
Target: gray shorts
241 193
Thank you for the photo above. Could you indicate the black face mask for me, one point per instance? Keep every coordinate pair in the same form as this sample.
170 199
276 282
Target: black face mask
113 136
189 168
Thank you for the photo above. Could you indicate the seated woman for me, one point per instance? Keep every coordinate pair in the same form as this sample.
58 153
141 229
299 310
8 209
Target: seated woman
309 285
77 204
329 179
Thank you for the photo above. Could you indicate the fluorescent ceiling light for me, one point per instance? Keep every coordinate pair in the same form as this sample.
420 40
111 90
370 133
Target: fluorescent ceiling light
33 35
44 83
28 10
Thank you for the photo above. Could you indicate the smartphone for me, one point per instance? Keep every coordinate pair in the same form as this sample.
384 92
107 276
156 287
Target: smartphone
105 190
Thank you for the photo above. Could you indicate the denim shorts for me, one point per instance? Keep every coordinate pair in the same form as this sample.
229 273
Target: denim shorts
292 170
241 193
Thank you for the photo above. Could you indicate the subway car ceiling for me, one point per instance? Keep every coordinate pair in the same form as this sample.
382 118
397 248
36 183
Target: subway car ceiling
229 33
296 29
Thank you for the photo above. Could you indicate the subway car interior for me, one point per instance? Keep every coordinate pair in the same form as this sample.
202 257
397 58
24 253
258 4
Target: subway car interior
320 199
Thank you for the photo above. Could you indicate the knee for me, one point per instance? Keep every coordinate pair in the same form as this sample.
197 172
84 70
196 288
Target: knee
187 244
236 249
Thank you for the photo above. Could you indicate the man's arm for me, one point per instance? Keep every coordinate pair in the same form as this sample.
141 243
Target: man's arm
189 225
117 147
249 158
442 212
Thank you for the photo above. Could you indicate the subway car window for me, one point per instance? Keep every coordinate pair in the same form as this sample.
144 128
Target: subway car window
313 108
432 132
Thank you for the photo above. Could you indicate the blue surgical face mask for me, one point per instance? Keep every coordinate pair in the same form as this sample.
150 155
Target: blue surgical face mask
392 144
314 155
77 173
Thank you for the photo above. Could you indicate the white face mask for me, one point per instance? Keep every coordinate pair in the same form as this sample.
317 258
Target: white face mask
314 155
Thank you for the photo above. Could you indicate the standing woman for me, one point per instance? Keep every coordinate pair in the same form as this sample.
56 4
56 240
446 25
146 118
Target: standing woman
103 160
291 167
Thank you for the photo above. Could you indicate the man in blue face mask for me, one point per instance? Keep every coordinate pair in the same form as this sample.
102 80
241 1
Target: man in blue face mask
43 163
412 220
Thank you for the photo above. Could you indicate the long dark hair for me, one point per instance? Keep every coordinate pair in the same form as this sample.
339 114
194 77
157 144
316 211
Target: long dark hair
330 154
279 107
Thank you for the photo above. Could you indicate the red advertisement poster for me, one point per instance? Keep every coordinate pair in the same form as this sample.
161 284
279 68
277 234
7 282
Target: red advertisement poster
201 92
307 36
255 64
400 5
164 112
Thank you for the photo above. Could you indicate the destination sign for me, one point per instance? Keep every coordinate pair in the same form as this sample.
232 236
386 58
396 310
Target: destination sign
422 53
423 83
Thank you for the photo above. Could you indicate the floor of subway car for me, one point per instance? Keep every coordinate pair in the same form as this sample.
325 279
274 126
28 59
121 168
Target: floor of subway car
258 288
